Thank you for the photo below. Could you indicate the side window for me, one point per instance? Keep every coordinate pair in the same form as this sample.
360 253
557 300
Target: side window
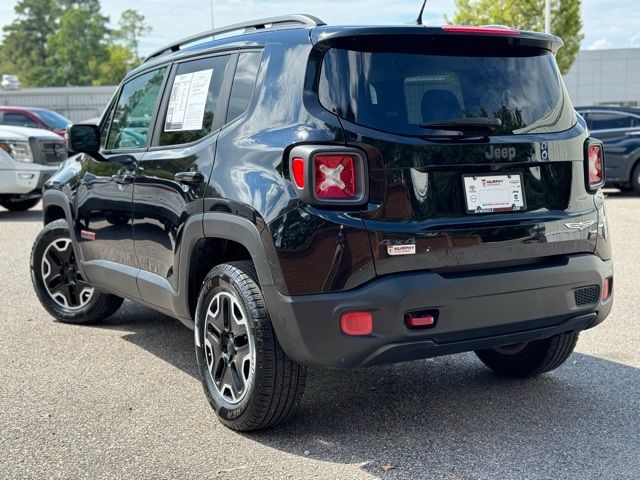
19 120
134 111
605 121
104 128
194 100
243 83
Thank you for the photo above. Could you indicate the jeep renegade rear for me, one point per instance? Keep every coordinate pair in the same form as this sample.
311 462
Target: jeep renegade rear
338 197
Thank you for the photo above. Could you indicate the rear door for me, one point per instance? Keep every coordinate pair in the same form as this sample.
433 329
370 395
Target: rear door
426 183
172 177
105 192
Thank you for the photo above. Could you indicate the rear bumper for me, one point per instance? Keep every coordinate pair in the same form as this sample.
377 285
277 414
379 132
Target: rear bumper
476 310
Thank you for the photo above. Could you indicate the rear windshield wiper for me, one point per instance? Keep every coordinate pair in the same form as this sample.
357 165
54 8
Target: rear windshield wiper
465 124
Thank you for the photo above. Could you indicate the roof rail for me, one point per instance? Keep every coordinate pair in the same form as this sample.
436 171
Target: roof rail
285 21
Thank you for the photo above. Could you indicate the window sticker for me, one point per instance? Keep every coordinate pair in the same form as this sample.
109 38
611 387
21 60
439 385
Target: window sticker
188 101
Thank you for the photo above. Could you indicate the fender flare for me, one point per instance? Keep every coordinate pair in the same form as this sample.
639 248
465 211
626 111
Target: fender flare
55 198
229 227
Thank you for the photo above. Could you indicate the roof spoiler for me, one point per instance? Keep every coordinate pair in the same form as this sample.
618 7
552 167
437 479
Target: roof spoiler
328 37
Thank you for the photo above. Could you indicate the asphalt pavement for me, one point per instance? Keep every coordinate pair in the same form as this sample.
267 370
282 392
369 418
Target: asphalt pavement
122 399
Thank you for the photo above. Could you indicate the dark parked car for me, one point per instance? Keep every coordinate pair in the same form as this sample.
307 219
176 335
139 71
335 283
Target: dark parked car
301 194
35 118
619 130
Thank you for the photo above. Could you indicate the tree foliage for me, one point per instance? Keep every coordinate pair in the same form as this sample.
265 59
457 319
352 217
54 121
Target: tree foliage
528 15
69 42
132 28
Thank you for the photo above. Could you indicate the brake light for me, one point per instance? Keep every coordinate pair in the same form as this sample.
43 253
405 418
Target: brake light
488 30
328 175
335 176
594 165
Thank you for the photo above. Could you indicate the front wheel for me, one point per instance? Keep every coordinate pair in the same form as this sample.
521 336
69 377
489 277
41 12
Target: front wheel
247 378
60 287
530 359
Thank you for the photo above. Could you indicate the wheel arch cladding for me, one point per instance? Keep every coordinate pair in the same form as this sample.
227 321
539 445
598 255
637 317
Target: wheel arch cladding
222 226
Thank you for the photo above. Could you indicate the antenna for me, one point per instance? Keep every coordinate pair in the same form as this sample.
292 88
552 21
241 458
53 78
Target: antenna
419 20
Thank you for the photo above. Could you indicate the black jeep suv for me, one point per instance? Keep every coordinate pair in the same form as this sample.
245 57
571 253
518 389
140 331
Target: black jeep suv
301 194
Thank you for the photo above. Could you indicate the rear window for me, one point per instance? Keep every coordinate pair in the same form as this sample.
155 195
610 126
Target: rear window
398 92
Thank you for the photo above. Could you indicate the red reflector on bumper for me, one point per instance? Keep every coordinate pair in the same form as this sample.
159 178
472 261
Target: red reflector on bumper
606 288
356 323
419 320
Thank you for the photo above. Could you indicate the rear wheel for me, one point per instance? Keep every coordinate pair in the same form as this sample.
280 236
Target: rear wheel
530 359
60 287
19 204
247 378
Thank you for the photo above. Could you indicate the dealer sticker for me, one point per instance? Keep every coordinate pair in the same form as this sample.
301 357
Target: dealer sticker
401 249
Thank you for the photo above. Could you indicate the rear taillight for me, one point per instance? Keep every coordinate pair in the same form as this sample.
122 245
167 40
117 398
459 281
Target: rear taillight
328 175
335 176
594 165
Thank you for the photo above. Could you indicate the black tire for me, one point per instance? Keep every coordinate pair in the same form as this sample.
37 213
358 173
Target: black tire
635 179
19 204
98 305
532 358
274 384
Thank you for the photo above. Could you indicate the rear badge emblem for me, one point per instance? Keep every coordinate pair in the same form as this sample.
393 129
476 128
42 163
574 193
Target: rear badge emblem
579 225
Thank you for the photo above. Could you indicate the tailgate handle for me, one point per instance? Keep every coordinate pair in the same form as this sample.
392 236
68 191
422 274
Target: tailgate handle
192 178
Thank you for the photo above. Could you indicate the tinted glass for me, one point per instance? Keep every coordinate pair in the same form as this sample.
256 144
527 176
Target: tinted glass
243 83
53 119
398 92
134 111
19 120
605 121
194 100
104 128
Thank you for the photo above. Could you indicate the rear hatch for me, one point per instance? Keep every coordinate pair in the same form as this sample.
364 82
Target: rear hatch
475 153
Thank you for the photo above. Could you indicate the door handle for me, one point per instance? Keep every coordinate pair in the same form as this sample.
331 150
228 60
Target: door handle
634 133
191 178
123 179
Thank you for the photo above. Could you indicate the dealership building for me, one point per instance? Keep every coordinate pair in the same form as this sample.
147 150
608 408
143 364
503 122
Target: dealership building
605 77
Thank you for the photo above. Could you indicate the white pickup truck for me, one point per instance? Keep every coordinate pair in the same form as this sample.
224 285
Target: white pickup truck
28 157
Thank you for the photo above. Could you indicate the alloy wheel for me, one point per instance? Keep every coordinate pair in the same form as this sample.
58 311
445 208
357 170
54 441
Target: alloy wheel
61 278
229 348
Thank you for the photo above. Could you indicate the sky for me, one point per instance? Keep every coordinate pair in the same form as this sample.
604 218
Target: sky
606 23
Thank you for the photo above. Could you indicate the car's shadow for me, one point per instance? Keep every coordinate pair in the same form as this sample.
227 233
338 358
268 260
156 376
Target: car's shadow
447 417
28 216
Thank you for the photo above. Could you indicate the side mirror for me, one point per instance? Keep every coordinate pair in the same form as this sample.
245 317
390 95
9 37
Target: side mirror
85 138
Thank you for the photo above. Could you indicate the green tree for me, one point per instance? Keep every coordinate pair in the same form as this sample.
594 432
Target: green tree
111 71
132 28
78 47
25 43
68 42
528 15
